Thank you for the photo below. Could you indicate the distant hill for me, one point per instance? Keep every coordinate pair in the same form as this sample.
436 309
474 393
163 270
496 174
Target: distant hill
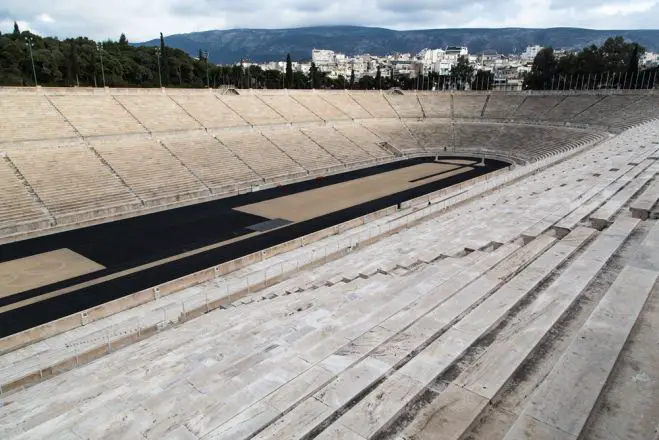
259 45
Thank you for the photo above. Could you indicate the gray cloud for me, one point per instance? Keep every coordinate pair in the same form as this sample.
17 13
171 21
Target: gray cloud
425 6
144 19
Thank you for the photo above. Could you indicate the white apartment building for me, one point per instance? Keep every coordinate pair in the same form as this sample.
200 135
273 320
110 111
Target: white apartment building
431 56
443 67
322 57
530 52
427 61
406 67
452 53
650 59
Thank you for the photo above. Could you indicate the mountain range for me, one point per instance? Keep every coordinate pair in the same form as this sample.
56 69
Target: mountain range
261 45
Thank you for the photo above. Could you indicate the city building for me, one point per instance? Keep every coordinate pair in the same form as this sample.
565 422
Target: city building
530 52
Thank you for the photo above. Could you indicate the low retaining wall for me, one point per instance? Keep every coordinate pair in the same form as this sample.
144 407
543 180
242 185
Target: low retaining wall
426 199
70 322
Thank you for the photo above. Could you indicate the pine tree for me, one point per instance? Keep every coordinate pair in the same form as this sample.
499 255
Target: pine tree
378 79
313 73
633 61
462 72
165 62
123 41
73 65
17 31
289 72
632 68
352 78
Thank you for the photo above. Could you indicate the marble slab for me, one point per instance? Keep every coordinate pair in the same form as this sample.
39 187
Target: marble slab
374 412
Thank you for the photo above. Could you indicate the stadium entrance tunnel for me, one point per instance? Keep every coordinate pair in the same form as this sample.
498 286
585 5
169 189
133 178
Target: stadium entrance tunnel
112 260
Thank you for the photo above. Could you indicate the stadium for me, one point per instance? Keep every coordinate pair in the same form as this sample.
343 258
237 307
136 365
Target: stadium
298 264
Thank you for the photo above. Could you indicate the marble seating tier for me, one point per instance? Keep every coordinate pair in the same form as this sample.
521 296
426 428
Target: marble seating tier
490 332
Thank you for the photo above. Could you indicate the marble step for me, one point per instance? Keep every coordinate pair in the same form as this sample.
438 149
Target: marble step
505 357
461 403
336 363
546 222
409 337
561 405
645 205
330 349
569 222
604 215
385 403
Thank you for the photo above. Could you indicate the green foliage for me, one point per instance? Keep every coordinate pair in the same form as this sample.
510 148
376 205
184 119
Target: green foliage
462 69
483 81
378 78
165 62
612 65
462 73
366 82
543 72
289 71
314 76
77 61
341 82
633 61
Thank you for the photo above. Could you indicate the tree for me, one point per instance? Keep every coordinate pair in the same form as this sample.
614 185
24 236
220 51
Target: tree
237 74
273 79
314 76
256 76
352 78
632 68
483 80
123 41
340 82
543 70
300 80
289 71
73 65
17 31
165 61
76 61
593 66
366 82
652 75
616 54
378 78
461 72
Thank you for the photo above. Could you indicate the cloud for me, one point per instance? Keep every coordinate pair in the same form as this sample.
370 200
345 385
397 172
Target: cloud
45 18
435 6
143 19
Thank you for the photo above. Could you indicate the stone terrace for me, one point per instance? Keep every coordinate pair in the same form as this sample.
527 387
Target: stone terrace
343 130
498 314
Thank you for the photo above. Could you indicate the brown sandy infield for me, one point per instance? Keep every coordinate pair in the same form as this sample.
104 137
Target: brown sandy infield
318 202
296 207
38 270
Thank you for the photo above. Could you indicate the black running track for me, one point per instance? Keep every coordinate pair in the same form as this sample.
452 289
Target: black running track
128 243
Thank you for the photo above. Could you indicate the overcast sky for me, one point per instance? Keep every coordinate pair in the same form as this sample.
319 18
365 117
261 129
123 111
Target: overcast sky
144 19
